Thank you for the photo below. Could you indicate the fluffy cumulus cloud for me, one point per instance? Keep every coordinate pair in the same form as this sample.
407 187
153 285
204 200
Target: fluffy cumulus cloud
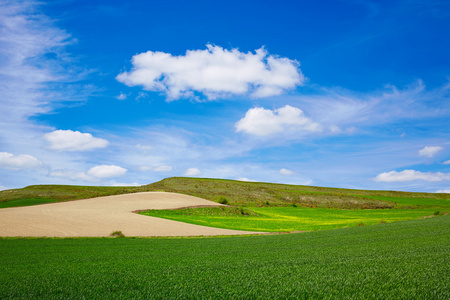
18 162
214 72
411 175
430 151
192 172
447 162
264 122
286 172
68 140
106 171
93 174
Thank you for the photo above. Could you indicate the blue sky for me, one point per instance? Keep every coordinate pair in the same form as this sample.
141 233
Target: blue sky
351 94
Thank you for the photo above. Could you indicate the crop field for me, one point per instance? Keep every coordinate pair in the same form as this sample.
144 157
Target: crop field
402 260
282 219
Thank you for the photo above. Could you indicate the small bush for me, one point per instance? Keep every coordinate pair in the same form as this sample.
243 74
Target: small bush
360 224
223 200
383 222
437 213
118 234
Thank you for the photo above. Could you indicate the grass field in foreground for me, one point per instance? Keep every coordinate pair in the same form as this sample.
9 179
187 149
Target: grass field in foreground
275 219
403 260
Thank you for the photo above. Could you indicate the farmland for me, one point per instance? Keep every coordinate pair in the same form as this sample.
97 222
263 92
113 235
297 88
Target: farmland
275 219
402 260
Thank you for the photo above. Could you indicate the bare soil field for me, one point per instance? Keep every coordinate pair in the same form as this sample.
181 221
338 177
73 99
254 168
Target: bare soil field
99 217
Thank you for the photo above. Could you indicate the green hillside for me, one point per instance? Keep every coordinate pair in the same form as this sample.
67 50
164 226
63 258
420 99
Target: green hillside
239 193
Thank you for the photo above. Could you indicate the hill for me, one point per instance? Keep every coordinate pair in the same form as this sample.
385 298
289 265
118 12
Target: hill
238 193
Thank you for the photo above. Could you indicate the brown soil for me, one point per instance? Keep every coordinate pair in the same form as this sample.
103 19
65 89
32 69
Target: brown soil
99 217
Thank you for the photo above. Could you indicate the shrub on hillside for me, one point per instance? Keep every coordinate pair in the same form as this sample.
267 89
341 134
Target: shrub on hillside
223 200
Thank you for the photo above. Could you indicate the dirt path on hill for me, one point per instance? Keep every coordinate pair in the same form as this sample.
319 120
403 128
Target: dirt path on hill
101 216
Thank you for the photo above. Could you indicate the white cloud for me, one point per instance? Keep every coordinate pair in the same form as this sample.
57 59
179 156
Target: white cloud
106 171
443 191
430 151
141 95
264 122
447 162
163 169
68 140
144 147
35 71
156 169
18 162
122 96
411 175
343 108
286 172
93 174
72 175
145 168
192 172
215 72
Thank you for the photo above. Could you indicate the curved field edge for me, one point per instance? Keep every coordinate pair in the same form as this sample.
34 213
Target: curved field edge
403 260
288 219
238 193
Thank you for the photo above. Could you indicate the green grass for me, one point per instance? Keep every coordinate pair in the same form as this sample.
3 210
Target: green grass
25 202
275 219
403 260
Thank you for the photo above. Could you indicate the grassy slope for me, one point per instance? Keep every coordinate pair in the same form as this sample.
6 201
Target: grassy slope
269 194
403 260
38 194
252 194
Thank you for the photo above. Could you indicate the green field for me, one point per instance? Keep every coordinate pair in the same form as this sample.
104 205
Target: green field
276 219
402 260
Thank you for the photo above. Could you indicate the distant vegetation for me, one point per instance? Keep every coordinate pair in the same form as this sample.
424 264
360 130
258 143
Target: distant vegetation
403 260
